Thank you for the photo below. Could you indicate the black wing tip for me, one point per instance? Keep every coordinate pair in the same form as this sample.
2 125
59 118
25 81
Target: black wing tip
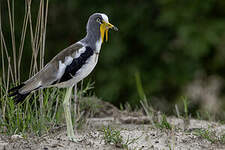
20 97
16 88
17 97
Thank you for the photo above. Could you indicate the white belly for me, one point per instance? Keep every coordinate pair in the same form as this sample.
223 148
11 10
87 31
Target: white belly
86 69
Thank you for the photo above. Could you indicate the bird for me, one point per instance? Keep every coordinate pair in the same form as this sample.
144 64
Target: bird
69 66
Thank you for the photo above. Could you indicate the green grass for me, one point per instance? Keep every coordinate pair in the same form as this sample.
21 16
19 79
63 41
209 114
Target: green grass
27 117
210 136
113 136
163 124
186 105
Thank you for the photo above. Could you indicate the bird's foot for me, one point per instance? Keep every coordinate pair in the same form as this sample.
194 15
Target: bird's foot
73 139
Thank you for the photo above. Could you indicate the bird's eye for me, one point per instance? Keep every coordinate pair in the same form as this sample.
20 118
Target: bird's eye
98 20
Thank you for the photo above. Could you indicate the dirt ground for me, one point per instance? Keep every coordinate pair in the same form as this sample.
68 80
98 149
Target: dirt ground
136 131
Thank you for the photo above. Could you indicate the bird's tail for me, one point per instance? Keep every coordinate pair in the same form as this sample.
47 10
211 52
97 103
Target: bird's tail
17 96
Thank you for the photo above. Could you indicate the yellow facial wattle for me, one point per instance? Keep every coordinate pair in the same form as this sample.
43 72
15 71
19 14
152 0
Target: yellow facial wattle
106 35
103 31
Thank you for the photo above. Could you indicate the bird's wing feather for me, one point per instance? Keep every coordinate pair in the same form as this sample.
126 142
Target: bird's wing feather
54 70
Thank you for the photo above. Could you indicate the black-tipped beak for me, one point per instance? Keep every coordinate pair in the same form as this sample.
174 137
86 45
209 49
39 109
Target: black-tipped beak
115 28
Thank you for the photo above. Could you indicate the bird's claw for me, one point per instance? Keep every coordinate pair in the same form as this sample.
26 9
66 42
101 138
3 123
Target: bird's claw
73 139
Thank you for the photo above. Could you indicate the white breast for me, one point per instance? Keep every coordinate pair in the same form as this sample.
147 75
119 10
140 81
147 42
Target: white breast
87 68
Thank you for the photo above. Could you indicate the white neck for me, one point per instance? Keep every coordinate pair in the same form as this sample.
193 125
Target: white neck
98 45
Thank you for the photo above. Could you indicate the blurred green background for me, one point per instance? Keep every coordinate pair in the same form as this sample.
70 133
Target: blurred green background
177 47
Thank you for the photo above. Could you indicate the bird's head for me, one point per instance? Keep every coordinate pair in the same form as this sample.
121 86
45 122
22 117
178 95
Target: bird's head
98 23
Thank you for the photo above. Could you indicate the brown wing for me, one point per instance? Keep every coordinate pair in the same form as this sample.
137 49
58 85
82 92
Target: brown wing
49 73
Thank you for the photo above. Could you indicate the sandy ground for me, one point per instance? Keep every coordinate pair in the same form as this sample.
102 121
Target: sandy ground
143 136
136 131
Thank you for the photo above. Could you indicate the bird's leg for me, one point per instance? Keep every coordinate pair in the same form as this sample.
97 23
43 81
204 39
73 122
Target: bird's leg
66 106
75 99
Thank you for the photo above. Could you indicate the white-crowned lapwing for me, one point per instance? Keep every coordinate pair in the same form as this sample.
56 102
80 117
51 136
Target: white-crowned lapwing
70 66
